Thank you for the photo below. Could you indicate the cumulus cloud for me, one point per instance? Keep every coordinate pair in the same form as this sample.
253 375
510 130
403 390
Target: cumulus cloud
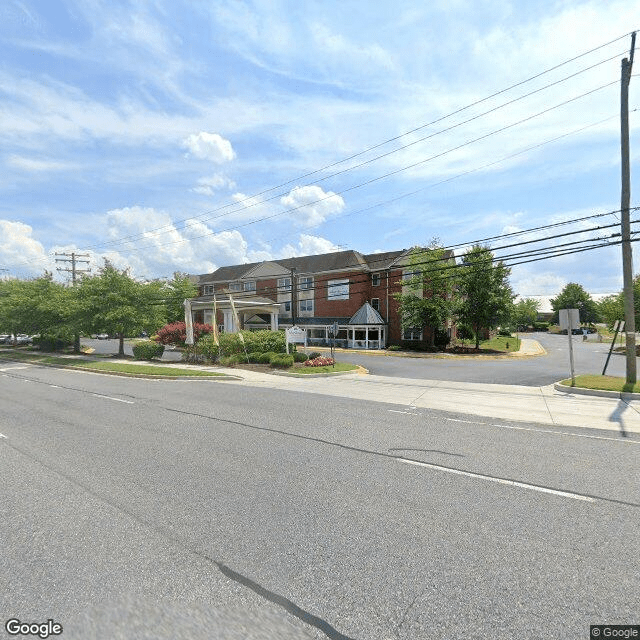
21 251
208 185
210 146
312 205
308 245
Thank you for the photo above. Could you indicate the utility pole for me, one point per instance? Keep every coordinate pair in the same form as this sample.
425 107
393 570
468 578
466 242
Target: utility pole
294 297
74 259
627 260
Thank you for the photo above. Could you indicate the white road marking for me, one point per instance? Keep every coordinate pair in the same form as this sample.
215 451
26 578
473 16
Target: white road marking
466 421
567 433
2 435
511 483
98 395
54 386
15 368
408 413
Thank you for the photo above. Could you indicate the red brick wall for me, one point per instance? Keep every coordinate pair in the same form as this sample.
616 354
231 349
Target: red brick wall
359 293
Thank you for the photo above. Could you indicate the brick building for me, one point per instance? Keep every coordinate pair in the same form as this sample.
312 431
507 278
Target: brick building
314 292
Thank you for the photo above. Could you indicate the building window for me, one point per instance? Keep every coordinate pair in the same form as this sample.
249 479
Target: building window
412 334
208 290
338 290
235 286
375 279
306 305
306 283
287 306
284 284
375 303
250 286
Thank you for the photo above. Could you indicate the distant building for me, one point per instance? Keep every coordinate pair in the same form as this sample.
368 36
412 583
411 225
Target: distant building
354 290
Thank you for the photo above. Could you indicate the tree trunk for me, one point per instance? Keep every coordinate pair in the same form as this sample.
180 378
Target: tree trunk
121 345
477 331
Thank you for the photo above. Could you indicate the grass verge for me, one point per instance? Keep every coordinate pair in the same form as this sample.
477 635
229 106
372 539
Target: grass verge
603 383
501 343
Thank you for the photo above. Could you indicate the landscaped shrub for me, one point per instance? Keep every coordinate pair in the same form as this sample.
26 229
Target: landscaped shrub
463 332
253 357
300 356
314 354
320 361
176 332
207 347
264 340
281 361
54 342
147 350
394 347
541 326
504 332
441 338
265 358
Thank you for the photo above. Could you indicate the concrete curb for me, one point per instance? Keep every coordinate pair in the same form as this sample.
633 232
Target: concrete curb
359 370
602 393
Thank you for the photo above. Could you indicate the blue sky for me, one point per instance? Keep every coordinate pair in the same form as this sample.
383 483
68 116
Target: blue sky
158 133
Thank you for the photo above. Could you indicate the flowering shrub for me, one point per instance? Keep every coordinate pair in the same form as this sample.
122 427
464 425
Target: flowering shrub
176 332
320 361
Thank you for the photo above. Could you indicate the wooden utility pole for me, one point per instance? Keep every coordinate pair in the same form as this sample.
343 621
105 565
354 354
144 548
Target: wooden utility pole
74 259
627 259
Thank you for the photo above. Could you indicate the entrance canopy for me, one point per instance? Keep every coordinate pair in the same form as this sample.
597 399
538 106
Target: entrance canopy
245 308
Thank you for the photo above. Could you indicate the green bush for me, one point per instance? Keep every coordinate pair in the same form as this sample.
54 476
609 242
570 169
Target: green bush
207 347
441 338
253 357
229 361
392 347
265 358
300 356
54 342
314 354
541 326
463 332
147 350
281 361
504 332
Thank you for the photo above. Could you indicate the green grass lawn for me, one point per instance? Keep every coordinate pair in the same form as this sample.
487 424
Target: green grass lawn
339 366
115 367
501 343
604 383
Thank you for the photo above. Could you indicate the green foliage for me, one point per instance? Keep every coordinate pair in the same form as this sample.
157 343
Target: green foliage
113 302
504 332
207 347
174 293
525 312
394 347
281 361
231 344
487 299
253 357
429 296
463 332
573 296
147 350
611 308
541 326
300 356
314 354
441 339
265 358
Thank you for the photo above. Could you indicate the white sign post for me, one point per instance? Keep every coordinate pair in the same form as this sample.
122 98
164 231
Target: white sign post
569 320
295 334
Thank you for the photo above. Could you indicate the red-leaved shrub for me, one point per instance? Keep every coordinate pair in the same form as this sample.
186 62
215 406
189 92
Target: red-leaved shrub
176 332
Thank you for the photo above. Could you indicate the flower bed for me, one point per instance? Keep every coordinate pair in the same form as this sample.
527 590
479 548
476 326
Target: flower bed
320 361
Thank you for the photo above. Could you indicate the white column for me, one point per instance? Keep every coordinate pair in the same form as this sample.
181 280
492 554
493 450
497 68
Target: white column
228 321
366 338
274 322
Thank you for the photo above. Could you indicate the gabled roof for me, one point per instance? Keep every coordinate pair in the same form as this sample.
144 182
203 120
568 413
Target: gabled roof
366 314
377 261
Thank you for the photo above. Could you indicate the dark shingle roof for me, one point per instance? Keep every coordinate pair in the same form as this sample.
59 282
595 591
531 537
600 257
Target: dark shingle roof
366 314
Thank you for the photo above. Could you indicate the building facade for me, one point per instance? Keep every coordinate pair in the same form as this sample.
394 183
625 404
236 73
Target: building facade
348 290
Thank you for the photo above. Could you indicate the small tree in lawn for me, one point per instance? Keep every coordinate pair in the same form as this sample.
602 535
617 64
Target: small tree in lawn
114 302
175 292
573 296
525 312
486 296
429 291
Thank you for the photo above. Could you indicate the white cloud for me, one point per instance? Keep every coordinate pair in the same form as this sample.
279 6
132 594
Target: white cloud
210 146
208 185
20 251
312 205
37 165
308 246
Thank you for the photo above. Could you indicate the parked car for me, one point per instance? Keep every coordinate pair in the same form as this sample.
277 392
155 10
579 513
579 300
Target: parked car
102 336
5 338
24 339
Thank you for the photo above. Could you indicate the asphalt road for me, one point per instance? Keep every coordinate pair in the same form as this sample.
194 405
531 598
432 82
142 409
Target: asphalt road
168 509
589 357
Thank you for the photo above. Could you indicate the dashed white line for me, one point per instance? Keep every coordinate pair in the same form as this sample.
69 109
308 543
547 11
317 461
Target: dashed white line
98 395
511 483
408 413
3 436
566 433
466 421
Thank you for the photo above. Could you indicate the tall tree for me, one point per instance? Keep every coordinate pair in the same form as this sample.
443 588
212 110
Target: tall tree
429 293
486 296
525 312
176 291
573 296
113 302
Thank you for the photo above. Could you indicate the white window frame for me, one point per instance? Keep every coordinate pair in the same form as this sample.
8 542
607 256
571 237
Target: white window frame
376 306
208 289
375 279
305 283
308 305
284 284
235 286
338 289
250 285
412 334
